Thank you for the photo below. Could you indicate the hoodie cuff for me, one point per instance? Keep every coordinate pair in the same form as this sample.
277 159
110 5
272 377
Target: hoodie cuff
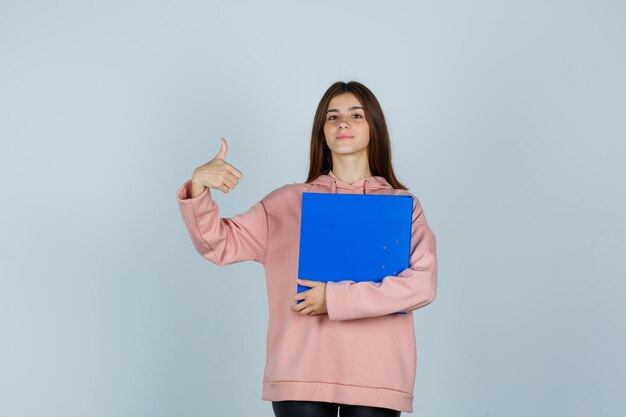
334 307
184 192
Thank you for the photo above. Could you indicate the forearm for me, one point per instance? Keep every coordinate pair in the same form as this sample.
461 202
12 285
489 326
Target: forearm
412 288
223 240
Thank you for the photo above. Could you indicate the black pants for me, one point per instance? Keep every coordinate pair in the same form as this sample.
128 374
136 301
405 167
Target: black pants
324 409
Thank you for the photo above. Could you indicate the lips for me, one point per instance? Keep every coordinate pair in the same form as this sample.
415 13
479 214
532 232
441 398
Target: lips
344 137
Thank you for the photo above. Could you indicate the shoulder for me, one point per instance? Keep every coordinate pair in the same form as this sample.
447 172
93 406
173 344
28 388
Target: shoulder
285 194
399 191
418 211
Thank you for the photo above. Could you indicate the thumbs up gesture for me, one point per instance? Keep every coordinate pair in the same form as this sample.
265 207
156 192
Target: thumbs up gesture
216 173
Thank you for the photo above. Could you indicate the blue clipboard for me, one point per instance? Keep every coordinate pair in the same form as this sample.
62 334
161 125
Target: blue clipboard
357 237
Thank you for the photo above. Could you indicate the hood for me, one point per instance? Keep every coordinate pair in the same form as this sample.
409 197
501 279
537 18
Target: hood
337 186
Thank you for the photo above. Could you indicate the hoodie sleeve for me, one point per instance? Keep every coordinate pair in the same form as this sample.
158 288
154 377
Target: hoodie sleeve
411 289
223 241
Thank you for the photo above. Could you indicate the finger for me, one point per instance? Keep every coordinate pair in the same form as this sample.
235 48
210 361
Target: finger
294 307
299 296
223 149
234 171
301 282
229 183
308 283
306 311
232 178
299 306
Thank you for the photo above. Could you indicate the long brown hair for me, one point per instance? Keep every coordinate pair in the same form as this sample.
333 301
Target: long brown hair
379 147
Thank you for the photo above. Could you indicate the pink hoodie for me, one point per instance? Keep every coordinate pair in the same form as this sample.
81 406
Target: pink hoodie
358 353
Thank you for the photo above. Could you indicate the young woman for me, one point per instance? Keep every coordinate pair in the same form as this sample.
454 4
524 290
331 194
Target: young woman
341 348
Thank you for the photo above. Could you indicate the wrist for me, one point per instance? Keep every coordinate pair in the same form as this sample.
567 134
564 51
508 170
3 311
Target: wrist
196 189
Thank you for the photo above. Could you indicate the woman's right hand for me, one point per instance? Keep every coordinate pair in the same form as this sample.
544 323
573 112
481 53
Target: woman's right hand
216 173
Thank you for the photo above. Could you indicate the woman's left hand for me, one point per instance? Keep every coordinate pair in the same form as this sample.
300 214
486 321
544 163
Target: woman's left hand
314 299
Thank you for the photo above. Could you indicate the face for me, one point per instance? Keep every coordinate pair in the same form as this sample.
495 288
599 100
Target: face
345 129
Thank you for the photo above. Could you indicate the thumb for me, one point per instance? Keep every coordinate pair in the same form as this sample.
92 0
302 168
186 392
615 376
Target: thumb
223 149
309 283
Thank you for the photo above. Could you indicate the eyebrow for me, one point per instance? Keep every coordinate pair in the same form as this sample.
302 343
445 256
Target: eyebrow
351 108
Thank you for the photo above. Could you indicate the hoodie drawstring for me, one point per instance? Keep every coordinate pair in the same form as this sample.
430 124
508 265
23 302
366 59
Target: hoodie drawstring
334 185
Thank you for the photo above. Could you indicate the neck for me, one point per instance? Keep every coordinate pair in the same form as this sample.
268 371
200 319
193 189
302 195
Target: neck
350 170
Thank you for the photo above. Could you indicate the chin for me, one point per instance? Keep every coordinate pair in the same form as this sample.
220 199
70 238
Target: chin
345 152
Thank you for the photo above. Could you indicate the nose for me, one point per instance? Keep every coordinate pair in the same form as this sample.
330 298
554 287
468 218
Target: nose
343 123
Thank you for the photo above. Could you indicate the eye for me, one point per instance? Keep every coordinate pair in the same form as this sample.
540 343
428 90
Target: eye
332 117
357 115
